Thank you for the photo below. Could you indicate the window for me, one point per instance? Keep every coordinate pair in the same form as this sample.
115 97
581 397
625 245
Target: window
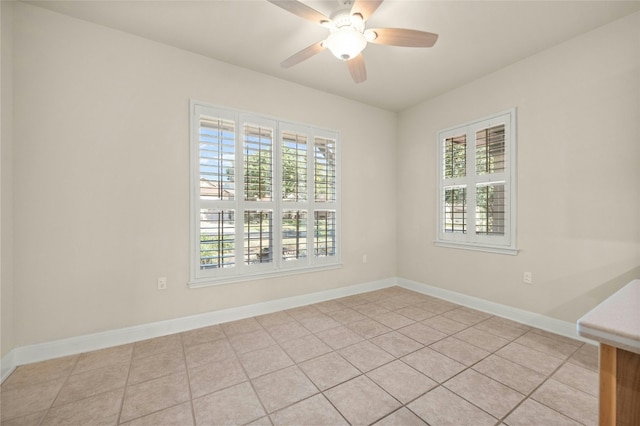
264 198
476 176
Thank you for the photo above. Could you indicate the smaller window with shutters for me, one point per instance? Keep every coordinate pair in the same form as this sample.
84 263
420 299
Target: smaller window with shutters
263 196
477 185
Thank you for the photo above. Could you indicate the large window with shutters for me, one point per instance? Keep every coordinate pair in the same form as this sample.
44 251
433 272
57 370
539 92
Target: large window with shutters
477 184
264 196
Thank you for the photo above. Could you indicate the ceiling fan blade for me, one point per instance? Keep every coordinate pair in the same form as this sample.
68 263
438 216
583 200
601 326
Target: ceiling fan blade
365 8
356 68
305 53
404 37
301 9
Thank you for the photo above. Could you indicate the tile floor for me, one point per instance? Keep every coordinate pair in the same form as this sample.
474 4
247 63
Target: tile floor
388 357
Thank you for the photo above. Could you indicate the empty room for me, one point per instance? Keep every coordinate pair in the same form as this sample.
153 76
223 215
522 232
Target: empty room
324 212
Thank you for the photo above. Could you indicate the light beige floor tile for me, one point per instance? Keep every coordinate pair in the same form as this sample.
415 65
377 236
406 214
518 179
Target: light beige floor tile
154 395
92 382
40 372
401 381
415 313
170 343
401 417
209 378
264 361
26 400
441 407
548 345
353 301
393 320
339 337
347 316
422 333
329 306
579 378
314 411
303 312
368 328
287 331
250 341
371 309
318 323
397 344
516 376
365 356
444 325
102 409
275 318
104 358
571 402
481 339
530 358
433 364
493 397
29 420
206 353
329 370
178 415
532 413
262 421
154 366
394 303
562 339
438 306
235 405
502 327
240 326
304 348
462 352
202 335
361 401
466 316
587 357
282 388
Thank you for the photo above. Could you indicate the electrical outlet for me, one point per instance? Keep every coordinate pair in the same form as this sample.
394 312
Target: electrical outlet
162 283
527 278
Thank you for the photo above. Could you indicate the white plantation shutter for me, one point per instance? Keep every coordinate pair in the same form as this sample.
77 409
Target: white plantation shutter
264 197
476 175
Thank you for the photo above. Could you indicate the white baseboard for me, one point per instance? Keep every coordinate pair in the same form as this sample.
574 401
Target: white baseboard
91 342
563 328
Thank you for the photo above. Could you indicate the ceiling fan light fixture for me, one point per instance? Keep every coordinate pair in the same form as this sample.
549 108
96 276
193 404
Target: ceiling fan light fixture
345 43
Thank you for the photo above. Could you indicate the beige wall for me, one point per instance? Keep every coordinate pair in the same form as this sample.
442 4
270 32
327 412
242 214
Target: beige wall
6 190
101 178
578 107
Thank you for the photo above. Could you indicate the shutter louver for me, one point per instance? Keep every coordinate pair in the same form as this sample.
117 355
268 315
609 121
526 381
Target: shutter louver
217 159
294 167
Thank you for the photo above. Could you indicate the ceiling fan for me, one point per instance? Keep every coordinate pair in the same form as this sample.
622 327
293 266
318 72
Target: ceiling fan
348 36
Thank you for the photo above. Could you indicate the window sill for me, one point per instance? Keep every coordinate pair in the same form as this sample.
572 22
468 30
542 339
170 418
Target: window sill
478 247
229 279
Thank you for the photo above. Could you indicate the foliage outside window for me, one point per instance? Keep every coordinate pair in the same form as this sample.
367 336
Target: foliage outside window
264 196
476 181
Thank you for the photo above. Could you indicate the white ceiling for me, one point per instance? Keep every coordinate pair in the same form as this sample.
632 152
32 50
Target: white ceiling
476 38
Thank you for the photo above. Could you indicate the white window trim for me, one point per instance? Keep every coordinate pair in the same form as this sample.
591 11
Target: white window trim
471 241
240 272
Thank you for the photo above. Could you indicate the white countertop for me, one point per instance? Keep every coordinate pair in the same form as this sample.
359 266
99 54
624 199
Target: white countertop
616 321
